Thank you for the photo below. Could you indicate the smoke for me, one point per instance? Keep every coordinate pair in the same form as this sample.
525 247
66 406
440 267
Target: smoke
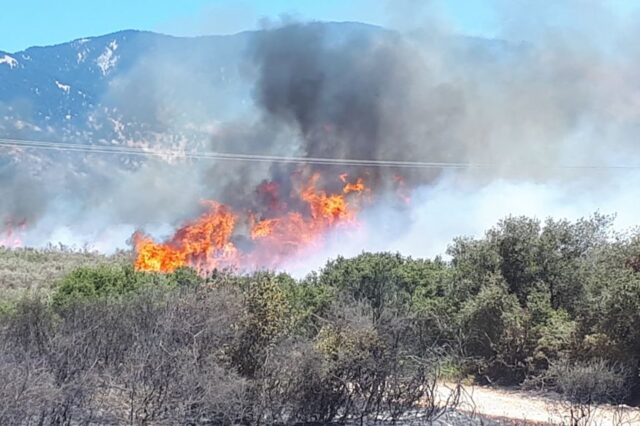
23 198
352 95
531 112
447 209
550 120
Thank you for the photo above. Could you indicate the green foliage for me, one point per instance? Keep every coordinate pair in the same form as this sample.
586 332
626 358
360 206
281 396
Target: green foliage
309 302
497 331
29 269
531 294
552 331
620 317
529 302
385 281
185 277
114 280
267 315
526 254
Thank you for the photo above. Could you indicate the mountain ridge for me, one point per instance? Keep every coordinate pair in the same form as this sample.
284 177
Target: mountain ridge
147 89
58 83
161 34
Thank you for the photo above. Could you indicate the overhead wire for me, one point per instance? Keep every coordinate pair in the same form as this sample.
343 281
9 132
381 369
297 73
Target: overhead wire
209 155
164 153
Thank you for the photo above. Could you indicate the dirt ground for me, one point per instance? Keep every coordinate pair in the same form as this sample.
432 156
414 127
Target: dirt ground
528 408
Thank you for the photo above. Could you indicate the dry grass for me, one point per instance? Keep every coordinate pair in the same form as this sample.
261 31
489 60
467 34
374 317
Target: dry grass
29 269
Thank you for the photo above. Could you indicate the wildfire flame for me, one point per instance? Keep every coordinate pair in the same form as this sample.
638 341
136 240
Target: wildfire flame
10 233
358 186
210 241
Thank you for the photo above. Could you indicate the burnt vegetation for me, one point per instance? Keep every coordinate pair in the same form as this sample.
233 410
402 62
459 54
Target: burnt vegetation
553 305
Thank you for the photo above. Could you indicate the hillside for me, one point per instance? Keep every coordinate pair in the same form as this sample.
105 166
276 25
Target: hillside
80 91
71 91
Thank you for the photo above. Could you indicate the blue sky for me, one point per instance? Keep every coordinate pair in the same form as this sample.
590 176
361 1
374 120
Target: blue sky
26 23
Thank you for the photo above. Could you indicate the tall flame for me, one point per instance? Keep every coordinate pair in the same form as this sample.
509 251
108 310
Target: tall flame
202 243
210 241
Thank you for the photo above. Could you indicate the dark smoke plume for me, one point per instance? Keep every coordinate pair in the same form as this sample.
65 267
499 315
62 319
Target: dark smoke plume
361 94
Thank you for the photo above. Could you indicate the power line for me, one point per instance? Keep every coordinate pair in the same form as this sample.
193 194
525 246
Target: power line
123 150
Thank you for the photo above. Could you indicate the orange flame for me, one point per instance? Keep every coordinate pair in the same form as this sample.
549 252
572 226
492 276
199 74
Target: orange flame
203 243
209 242
352 187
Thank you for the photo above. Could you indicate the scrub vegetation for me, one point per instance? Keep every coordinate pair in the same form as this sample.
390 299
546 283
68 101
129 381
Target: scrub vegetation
551 305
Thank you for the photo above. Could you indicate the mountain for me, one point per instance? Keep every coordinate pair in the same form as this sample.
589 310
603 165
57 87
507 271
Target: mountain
81 90
148 90
57 89
112 86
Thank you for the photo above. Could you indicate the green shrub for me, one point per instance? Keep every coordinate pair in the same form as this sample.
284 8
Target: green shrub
115 280
39 269
385 281
266 316
550 302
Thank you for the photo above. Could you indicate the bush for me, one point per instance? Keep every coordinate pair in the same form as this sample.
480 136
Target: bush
266 315
115 280
39 269
365 338
592 382
586 385
384 281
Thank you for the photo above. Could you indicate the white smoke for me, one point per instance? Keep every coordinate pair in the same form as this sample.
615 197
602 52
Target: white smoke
439 213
